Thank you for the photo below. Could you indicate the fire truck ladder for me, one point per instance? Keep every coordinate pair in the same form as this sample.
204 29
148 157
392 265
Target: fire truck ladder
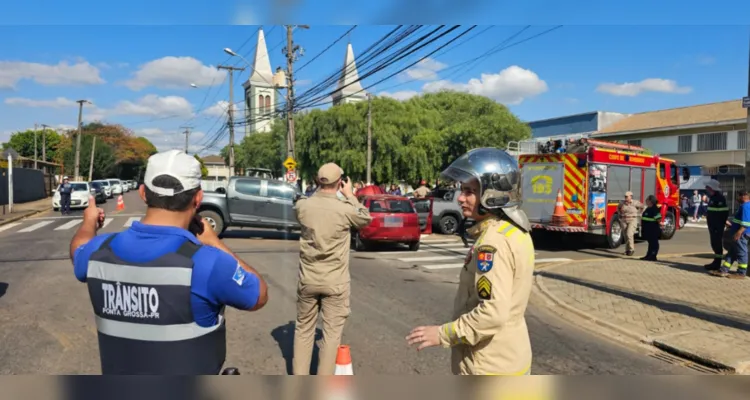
612 145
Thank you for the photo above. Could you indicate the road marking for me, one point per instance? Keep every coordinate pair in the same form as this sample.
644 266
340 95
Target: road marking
79 216
438 258
691 225
68 225
450 246
8 226
35 226
107 221
442 266
551 260
131 220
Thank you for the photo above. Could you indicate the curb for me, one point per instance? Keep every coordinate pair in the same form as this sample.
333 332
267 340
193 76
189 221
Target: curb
644 339
22 216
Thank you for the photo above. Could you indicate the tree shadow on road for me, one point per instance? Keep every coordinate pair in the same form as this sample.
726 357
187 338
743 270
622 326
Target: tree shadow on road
284 336
3 288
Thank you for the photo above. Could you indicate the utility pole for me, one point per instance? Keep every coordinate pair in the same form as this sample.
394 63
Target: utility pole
44 142
187 135
369 138
230 110
35 146
291 56
91 165
78 139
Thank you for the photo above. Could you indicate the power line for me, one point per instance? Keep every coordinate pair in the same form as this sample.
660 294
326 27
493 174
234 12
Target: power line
326 49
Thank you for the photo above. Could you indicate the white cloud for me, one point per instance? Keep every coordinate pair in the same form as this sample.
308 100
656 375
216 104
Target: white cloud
510 86
175 73
154 106
400 95
647 85
219 109
80 73
425 70
59 102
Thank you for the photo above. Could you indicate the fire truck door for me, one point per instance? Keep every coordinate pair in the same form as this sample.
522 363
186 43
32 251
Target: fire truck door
541 181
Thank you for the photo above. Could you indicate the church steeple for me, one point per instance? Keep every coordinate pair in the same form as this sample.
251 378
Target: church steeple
349 88
260 92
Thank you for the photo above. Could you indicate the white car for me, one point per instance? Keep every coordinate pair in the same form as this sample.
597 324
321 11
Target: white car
79 198
107 187
116 186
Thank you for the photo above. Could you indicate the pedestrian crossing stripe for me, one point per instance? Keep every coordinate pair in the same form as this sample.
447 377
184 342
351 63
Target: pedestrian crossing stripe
69 225
66 226
36 226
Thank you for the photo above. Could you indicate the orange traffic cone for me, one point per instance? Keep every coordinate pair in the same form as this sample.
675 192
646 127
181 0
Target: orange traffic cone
120 203
559 216
344 361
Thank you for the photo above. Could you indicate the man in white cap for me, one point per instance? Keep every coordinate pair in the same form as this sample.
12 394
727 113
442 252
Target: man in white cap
716 219
324 242
158 289
65 190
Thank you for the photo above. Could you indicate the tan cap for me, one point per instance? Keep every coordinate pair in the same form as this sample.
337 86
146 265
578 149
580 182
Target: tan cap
329 173
628 194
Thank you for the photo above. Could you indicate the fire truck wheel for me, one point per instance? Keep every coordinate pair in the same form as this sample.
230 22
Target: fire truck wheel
670 226
615 234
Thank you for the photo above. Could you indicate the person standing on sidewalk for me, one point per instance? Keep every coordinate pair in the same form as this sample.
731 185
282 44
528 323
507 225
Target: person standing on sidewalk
324 278
739 230
66 190
629 210
422 191
488 334
651 228
716 219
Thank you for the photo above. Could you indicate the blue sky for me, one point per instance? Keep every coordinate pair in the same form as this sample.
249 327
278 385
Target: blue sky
123 69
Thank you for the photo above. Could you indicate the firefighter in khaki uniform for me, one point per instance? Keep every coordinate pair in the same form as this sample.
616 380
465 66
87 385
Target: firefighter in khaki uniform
488 335
326 219
629 210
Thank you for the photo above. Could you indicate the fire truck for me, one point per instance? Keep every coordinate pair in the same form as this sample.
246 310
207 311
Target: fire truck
592 177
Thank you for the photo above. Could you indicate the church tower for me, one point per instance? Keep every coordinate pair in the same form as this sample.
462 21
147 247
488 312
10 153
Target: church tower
260 92
349 88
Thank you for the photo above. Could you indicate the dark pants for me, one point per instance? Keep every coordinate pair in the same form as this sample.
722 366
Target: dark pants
462 231
65 203
716 233
651 234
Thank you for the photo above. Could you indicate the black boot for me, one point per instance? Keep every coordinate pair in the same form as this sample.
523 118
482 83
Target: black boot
713 266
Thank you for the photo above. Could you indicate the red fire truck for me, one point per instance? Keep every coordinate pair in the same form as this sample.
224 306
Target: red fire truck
593 176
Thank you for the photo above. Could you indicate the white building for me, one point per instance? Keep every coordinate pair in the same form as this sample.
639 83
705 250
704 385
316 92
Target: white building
218 170
261 94
349 89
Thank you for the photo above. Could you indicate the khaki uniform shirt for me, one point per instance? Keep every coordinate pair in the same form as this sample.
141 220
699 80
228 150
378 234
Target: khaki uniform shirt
630 211
489 334
325 239
421 192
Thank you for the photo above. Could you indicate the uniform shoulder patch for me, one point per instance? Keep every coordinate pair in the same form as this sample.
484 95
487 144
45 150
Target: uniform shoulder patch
485 257
484 288
239 275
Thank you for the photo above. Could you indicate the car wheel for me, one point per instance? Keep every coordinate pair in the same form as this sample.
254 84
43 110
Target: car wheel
448 225
359 244
669 227
683 220
615 234
214 219
414 246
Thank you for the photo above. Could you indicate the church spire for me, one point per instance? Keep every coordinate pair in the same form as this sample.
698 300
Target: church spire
262 74
349 88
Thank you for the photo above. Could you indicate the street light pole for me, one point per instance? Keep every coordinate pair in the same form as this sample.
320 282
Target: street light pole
78 139
230 110
187 135
44 142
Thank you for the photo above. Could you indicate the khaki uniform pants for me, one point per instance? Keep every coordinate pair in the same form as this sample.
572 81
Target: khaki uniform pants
333 301
630 234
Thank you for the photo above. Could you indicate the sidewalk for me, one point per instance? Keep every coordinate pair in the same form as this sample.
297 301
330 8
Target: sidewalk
24 210
673 305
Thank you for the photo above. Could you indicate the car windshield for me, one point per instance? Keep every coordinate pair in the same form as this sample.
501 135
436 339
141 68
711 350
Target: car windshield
78 187
391 206
103 183
96 185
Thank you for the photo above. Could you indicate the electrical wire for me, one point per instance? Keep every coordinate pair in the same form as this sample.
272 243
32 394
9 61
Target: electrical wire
326 49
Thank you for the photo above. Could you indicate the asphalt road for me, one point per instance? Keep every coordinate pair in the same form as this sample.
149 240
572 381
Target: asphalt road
46 322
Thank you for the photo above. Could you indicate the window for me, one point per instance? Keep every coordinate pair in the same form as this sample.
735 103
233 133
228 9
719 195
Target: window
248 187
78 187
741 140
268 104
280 192
618 182
712 141
662 171
636 175
261 104
673 174
391 206
634 142
685 144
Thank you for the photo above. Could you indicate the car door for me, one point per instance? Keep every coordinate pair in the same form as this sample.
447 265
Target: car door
280 204
245 200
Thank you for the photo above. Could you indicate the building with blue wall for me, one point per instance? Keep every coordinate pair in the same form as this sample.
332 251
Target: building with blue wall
574 124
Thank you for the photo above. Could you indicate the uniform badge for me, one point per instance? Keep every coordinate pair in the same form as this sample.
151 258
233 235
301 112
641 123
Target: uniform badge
485 257
484 288
239 275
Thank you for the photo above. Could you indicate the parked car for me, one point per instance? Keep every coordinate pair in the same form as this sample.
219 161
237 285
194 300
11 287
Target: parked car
446 213
97 190
394 220
253 203
107 187
116 186
79 198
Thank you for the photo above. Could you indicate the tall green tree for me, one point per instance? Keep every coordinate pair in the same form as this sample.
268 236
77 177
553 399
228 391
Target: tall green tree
23 143
105 165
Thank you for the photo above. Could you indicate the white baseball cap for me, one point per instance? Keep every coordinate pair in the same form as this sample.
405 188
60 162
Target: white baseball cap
176 164
713 184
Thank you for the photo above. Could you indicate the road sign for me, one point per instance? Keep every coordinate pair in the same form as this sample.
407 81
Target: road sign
290 164
746 102
291 176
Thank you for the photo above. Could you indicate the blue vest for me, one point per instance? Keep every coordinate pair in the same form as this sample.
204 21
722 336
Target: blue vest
144 317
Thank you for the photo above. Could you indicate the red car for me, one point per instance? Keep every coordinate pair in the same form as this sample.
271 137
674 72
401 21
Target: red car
394 220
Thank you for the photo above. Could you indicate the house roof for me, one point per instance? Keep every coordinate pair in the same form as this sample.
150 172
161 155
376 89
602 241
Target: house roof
214 159
679 117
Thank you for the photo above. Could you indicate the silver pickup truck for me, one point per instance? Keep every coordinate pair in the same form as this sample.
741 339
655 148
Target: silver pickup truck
253 203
